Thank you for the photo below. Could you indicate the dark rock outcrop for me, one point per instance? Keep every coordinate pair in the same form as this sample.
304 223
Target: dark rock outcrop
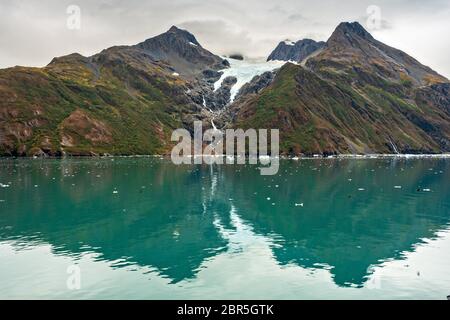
211 76
237 56
295 51
257 84
218 99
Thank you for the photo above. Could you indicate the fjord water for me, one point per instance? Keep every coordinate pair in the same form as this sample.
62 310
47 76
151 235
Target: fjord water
143 228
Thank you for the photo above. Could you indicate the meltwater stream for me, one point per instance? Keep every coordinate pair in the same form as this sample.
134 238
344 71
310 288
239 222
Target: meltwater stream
143 228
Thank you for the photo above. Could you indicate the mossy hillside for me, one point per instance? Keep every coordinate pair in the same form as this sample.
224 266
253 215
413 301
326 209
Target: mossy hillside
337 113
139 109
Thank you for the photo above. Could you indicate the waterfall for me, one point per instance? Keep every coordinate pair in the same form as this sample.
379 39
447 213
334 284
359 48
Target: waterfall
393 146
213 125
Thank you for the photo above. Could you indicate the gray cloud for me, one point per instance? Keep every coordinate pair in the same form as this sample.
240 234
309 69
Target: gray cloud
296 17
33 32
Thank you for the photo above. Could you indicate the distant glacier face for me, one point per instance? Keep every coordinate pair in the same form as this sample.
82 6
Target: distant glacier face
245 71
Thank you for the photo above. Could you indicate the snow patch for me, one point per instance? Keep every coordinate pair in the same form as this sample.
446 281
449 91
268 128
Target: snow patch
289 43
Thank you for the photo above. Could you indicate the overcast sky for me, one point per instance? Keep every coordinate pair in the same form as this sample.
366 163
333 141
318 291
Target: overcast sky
33 32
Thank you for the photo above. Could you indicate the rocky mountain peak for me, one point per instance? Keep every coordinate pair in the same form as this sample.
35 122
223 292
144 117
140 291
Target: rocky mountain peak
351 46
353 27
349 33
181 50
182 34
295 51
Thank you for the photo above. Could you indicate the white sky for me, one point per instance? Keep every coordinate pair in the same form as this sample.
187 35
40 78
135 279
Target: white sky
33 32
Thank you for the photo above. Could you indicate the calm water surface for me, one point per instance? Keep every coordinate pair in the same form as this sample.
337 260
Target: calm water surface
142 228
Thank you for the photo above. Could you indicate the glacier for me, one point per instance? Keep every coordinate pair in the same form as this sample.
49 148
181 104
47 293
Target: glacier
245 71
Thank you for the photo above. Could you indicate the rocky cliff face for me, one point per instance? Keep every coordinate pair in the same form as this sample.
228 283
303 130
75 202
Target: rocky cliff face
295 51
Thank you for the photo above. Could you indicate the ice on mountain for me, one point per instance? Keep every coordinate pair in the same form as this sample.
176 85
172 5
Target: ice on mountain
244 71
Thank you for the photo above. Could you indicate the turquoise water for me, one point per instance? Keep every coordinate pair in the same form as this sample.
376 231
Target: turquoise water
142 228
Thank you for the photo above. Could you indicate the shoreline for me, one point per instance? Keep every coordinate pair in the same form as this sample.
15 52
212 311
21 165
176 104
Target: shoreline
295 158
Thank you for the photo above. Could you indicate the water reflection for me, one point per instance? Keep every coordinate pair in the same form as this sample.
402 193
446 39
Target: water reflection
354 214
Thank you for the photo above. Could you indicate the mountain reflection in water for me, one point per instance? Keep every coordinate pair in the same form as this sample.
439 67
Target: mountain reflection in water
177 221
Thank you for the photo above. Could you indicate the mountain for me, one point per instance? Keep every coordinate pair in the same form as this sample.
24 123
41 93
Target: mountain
351 47
123 100
182 51
352 94
357 95
295 51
